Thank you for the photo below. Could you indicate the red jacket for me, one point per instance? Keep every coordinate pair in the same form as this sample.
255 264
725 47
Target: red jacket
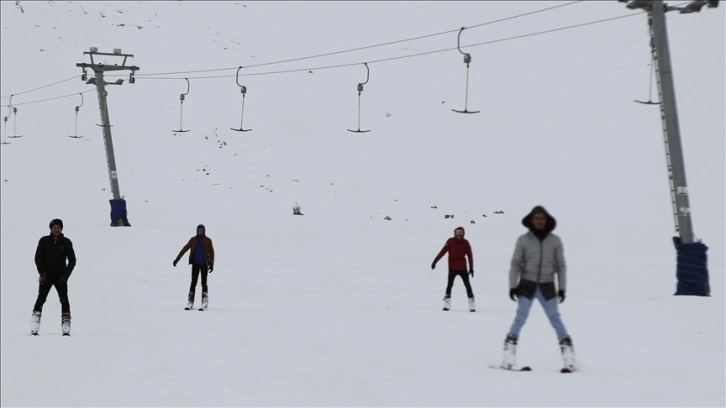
457 249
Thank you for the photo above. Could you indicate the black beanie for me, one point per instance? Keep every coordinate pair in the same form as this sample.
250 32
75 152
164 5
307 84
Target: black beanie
56 221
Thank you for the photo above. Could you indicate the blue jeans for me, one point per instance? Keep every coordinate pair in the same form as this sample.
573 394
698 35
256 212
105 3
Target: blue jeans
550 307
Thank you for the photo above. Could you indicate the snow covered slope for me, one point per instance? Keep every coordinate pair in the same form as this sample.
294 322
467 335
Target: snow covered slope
340 307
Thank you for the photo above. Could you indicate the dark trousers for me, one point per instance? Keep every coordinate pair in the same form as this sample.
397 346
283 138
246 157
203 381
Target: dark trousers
465 277
195 276
44 289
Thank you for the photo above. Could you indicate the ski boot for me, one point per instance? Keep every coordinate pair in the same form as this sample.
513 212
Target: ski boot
509 357
205 301
568 355
66 323
447 302
35 323
472 306
190 301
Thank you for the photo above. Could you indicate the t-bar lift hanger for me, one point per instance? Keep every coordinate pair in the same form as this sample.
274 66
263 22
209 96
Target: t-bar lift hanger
360 90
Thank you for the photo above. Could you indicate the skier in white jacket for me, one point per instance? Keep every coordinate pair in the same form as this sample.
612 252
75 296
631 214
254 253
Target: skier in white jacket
538 259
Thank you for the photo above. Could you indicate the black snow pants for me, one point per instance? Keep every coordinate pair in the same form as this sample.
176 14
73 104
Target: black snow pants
60 287
196 269
465 277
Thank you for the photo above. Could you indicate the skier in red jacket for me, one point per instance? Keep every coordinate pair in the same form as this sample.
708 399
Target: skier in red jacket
458 248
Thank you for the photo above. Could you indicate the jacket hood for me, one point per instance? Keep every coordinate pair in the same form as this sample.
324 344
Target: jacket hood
459 228
550 224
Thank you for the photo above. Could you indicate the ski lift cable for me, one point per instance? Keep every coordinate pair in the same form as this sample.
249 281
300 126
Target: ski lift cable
370 61
457 48
520 15
327 54
320 68
418 37
39 88
49 99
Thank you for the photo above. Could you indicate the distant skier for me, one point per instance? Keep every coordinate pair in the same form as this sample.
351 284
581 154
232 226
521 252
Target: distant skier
50 259
201 257
458 248
538 257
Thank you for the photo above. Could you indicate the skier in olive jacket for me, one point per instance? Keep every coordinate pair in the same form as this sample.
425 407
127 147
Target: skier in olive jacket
459 249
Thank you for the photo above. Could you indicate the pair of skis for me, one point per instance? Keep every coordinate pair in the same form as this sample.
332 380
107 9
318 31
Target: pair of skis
35 324
564 370
202 307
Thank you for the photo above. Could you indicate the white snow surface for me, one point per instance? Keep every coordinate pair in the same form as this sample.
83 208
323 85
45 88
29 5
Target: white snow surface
339 307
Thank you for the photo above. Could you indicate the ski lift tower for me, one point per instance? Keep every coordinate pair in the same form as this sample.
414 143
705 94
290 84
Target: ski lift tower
118 203
691 268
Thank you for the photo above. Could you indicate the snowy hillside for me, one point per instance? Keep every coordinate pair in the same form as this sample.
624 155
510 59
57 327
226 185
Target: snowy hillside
340 307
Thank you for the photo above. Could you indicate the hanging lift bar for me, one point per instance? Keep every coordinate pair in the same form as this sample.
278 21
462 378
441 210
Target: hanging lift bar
467 61
5 120
5 123
243 89
181 109
650 78
360 90
650 88
75 134
15 134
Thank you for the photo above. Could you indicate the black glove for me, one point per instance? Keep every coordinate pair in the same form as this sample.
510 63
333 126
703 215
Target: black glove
63 279
471 272
513 294
175 262
561 295
433 265
41 278
211 267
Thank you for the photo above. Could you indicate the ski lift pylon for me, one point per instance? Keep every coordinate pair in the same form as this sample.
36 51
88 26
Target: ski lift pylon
467 61
15 134
181 109
75 133
243 90
360 90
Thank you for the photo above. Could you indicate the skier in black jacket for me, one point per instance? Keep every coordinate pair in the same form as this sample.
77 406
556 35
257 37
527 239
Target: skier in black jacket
50 259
